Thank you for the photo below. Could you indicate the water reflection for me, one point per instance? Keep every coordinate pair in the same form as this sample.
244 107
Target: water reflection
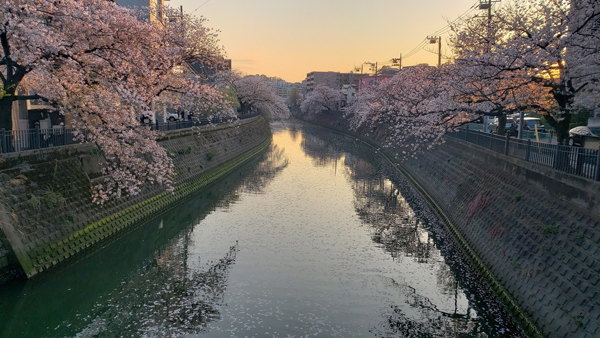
401 232
166 299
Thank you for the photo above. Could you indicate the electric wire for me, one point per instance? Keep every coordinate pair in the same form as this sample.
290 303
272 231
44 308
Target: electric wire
205 2
440 31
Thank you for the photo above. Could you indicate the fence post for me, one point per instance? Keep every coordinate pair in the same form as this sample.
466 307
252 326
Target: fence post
2 140
37 137
597 175
555 163
466 132
579 161
491 138
528 150
506 143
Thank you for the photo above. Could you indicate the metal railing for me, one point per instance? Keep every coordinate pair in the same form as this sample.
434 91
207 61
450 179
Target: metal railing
14 141
176 125
572 160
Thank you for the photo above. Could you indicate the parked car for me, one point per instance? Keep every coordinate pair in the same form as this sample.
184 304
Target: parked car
578 135
510 127
530 123
172 116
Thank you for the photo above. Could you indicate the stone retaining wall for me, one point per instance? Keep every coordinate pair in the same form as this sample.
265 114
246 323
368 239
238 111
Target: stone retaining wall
541 245
48 214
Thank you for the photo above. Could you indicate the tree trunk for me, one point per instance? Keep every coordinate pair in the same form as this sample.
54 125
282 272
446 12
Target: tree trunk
6 103
502 125
561 126
244 108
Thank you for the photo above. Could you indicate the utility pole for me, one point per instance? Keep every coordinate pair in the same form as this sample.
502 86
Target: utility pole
433 40
483 5
398 62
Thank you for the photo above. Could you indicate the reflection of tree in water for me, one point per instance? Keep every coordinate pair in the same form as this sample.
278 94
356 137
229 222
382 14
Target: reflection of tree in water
392 222
165 299
254 181
272 164
321 152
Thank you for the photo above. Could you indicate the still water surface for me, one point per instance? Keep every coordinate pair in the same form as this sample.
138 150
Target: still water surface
317 237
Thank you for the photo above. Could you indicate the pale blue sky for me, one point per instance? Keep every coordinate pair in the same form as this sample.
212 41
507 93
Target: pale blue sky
289 38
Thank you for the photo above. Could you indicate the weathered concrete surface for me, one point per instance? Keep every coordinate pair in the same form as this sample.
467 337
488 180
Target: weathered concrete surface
46 195
534 228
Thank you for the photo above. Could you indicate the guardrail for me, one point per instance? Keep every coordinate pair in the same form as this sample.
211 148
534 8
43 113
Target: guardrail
572 160
14 141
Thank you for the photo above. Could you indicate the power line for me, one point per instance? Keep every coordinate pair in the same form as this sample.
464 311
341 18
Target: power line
441 31
205 2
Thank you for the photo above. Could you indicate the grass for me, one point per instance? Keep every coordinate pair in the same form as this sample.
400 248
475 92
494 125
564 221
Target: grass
517 198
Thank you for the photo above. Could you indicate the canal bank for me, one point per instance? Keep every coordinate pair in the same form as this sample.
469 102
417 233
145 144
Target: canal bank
543 251
48 215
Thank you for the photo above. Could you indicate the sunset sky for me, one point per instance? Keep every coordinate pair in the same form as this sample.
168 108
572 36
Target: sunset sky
289 38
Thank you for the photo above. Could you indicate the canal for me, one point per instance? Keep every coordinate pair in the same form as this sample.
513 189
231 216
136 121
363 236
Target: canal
317 237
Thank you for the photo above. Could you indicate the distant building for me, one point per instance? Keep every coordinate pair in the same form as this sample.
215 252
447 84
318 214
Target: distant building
371 80
333 80
349 93
283 88
29 114
206 70
156 12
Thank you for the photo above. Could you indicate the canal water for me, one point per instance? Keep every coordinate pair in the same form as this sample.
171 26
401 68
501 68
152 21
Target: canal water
317 237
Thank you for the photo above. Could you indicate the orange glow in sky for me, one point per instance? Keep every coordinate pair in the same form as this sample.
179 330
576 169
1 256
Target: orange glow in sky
289 38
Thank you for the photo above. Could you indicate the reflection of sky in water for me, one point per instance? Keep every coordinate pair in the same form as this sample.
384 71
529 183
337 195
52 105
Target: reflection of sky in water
313 241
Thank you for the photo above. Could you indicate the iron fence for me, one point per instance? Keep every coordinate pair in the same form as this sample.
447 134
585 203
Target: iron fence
176 125
572 160
14 141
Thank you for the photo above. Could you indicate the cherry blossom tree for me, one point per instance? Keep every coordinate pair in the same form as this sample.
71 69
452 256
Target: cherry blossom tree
255 91
545 50
533 55
99 63
321 98
414 109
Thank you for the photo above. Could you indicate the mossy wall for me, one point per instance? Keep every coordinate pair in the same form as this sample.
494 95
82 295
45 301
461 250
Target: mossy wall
48 215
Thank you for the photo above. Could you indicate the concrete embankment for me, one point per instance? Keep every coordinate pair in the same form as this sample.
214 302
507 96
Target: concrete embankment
46 211
533 229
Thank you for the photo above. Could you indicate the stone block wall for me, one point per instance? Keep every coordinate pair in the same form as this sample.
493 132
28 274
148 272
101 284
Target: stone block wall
48 214
545 251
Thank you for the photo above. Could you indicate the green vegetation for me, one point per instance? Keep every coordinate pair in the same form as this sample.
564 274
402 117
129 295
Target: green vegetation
550 229
35 202
575 234
184 151
514 263
517 197
212 153
49 198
